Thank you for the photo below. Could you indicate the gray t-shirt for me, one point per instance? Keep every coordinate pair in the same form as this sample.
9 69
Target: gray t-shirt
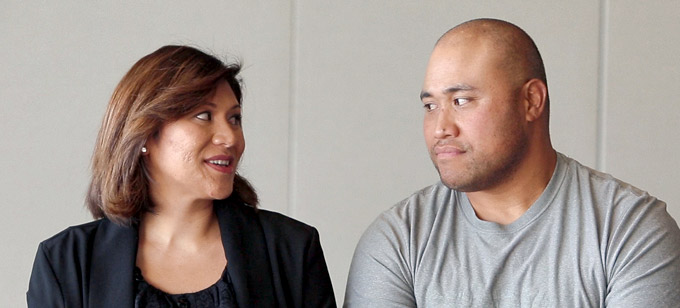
590 240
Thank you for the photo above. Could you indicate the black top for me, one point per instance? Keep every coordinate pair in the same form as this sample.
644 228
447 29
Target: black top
218 295
274 261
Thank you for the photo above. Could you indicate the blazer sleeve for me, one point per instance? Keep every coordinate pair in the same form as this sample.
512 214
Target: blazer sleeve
44 289
317 281
300 275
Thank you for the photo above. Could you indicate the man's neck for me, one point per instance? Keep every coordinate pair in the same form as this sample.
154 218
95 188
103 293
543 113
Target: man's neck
507 201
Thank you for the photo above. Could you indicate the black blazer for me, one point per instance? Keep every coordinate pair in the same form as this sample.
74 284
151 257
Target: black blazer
273 261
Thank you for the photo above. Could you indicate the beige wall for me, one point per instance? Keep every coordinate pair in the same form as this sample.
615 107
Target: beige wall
332 115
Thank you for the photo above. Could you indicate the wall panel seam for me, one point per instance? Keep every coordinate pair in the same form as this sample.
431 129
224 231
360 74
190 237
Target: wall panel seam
603 49
292 110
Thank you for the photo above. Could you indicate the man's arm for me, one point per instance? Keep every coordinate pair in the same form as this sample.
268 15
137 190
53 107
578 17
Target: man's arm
381 273
643 262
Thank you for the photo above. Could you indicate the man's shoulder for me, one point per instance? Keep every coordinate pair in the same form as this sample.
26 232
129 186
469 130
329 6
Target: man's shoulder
584 172
604 186
416 212
615 200
426 200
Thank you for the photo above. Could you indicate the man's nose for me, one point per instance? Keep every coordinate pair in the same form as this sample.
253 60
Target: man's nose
446 125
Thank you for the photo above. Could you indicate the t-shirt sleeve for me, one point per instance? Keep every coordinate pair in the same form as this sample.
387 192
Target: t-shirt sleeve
643 261
380 274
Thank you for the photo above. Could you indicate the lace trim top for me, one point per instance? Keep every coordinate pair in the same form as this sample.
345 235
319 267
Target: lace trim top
219 295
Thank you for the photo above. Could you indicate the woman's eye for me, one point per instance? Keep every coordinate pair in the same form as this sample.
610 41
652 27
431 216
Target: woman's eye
205 116
235 119
460 101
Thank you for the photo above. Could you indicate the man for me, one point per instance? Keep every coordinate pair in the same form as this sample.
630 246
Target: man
512 223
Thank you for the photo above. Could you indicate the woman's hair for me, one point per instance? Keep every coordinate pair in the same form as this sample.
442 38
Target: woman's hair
161 87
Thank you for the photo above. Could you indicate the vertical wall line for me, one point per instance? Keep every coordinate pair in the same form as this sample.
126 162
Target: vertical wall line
292 110
601 136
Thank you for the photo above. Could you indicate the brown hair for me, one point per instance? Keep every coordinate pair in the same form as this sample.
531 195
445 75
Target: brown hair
161 87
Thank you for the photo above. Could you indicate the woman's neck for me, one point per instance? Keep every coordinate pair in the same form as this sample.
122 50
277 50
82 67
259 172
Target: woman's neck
179 223
180 247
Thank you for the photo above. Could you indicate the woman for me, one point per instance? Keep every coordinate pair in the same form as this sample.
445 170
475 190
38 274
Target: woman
177 227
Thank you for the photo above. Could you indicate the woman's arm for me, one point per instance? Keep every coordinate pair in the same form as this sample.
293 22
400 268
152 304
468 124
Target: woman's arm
43 288
317 281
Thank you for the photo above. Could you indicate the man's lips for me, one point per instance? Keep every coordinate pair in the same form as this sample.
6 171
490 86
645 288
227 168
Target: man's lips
448 150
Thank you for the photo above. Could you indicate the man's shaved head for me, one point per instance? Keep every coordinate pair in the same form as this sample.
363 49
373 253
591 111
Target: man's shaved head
518 53
486 106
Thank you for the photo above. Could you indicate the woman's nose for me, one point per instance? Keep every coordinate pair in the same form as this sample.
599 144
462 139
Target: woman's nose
224 135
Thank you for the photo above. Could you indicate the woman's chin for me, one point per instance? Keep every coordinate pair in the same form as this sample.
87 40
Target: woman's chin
221 194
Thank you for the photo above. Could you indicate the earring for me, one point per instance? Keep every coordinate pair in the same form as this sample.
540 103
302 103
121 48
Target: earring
144 149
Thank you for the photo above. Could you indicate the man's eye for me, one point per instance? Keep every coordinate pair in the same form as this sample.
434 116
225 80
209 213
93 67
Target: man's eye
205 116
460 101
429 106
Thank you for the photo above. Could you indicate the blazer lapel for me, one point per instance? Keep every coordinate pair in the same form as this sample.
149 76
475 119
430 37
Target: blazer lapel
113 259
247 255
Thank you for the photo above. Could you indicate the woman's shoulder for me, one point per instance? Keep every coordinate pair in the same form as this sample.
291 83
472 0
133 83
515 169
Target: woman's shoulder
285 233
73 235
66 252
281 222
274 225
269 220
82 239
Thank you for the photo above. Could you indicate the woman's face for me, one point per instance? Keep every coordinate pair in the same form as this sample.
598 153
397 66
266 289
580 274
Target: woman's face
195 157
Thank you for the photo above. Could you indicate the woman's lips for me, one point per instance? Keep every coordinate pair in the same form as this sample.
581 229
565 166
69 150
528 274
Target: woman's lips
221 163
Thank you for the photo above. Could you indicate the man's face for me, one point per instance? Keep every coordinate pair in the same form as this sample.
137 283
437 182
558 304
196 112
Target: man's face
474 126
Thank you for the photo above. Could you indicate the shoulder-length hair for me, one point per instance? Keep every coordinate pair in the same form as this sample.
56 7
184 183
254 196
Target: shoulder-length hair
161 87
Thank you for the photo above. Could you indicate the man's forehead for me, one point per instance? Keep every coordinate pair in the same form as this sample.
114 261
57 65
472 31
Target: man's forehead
462 57
466 41
459 68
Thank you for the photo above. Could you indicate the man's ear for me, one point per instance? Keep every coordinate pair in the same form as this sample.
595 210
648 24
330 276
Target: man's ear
535 95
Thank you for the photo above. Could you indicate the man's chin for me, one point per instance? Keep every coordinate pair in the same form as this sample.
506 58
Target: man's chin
454 184
460 184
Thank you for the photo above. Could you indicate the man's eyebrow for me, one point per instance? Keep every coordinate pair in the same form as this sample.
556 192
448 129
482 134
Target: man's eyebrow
451 89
